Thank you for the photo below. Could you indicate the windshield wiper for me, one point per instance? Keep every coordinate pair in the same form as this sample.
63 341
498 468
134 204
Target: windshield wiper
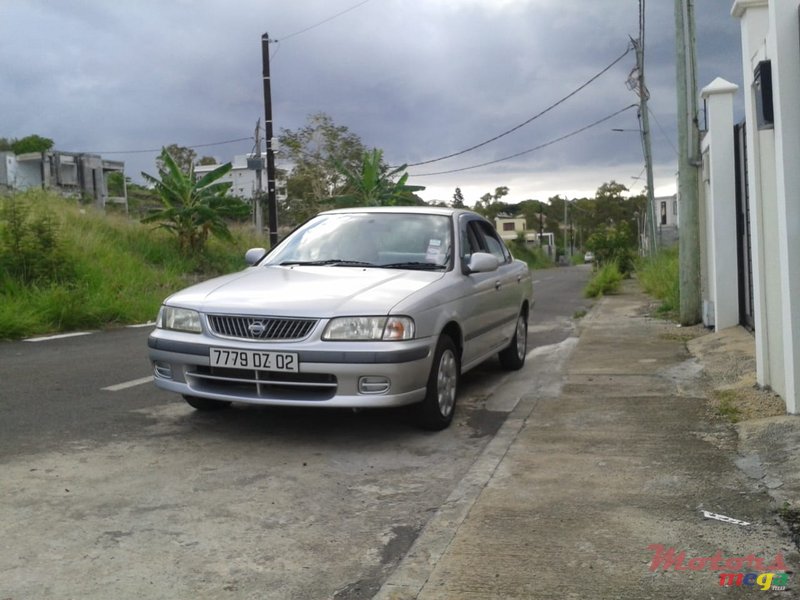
331 261
422 266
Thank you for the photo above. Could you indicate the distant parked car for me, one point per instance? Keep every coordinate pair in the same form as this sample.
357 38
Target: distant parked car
588 257
367 307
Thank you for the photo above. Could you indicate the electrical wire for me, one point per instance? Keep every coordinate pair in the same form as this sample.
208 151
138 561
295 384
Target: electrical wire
664 133
539 147
339 14
533 118
159 149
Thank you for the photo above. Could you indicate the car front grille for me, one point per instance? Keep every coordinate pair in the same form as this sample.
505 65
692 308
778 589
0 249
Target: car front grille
249 384
260 328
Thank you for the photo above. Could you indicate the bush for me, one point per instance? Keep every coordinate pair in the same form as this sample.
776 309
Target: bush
615 244
30 249
535 257
606 281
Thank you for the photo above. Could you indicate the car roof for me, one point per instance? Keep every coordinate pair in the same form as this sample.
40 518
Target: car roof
424 210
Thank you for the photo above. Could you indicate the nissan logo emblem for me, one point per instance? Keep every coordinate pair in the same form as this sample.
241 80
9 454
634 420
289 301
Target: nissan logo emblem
257 328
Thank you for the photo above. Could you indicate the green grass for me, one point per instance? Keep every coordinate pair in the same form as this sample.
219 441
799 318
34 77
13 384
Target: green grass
607 280
727 408
536 258
658 277
119 271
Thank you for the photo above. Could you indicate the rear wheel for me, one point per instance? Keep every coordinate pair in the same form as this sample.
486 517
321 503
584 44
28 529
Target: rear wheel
435 412
513 356
206 404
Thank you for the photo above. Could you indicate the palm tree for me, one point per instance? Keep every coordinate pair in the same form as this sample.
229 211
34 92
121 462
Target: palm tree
193 209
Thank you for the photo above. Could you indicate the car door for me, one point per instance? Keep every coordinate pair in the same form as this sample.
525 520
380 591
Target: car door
507 284
477 297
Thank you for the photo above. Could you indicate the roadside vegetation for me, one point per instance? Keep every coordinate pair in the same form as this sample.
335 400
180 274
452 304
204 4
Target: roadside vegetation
535 257
66 267
658 276
606 281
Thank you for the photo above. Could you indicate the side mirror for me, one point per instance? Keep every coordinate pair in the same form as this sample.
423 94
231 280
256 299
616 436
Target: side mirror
482 262
254 255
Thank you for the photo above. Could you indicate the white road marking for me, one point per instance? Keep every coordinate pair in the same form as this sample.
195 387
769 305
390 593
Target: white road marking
128 384
58 337
148 324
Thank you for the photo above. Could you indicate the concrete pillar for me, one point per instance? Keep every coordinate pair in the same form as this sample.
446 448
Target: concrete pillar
782 47
721 204
753 17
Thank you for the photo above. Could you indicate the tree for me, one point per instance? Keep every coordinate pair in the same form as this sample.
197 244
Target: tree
315 151
490 206
30 143
373 184
206 160
193 209
184 157
458 199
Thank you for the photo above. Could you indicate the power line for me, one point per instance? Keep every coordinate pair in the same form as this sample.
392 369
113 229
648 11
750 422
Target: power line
339 14
539 147
664 133
533 118
159 149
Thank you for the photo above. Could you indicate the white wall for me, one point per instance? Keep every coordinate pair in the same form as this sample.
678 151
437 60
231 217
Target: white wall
770 31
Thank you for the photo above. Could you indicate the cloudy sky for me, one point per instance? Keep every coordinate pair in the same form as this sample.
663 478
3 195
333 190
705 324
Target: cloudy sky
420 79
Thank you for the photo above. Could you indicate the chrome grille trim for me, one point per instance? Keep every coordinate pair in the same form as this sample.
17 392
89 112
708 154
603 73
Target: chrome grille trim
254 385
248 327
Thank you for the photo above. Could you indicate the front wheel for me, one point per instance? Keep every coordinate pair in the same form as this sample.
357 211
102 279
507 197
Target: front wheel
435 412
206 404
512 357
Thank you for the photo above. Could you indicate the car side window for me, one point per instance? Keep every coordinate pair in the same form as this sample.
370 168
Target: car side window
470 242
493 244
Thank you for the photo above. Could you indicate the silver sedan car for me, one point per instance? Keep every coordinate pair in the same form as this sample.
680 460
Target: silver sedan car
363 307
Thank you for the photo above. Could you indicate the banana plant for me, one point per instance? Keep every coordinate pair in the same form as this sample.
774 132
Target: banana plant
374 183
193 208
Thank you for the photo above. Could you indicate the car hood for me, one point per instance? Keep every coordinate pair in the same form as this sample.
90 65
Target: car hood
305 291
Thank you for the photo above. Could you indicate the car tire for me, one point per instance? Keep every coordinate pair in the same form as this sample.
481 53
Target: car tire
512 358
435 412
206 404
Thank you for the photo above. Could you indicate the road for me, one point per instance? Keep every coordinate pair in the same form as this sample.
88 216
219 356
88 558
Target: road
112 488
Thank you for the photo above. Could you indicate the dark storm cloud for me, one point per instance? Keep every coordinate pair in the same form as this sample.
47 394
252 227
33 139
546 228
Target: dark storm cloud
417 78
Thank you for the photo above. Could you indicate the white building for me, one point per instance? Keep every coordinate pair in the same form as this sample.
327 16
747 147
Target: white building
243 178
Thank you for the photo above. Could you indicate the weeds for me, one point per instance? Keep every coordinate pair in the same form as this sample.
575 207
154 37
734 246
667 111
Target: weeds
64 268
606 281
727 405
658 277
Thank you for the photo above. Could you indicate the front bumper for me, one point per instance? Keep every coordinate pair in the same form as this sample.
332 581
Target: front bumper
332 374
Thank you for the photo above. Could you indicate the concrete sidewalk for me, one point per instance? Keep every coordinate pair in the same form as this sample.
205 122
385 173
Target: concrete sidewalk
584 484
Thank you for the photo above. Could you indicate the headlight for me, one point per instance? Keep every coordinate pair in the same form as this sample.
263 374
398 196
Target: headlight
369 328
179 319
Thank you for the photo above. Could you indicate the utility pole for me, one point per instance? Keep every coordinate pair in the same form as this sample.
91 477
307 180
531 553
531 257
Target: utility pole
644 115
258 197
272 203
688 163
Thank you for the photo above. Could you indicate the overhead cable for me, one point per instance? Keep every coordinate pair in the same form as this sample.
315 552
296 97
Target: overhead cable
529 150
533 118
339 14
159 149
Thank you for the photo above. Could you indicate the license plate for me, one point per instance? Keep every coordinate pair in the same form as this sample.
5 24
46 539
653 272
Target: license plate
253 359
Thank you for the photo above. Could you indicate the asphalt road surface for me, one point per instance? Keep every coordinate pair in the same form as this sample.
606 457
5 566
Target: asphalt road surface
112 488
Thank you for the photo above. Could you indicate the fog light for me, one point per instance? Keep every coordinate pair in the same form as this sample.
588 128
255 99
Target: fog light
373 385
162 370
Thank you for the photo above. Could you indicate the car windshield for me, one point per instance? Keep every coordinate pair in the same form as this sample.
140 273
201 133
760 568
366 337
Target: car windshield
388 240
